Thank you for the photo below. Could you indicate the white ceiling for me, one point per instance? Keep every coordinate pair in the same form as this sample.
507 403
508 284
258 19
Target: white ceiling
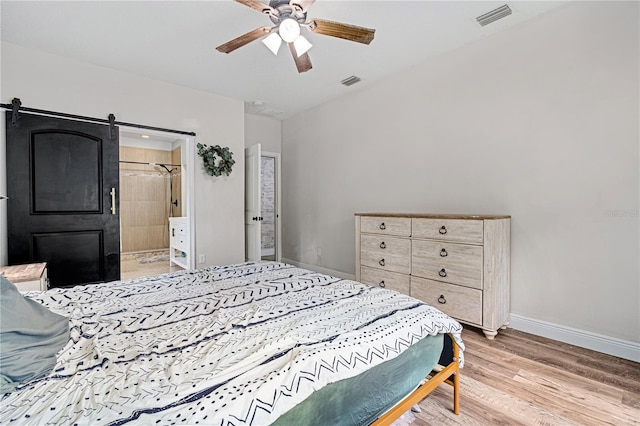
174 41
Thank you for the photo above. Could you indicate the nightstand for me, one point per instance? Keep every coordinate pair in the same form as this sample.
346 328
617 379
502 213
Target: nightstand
29 277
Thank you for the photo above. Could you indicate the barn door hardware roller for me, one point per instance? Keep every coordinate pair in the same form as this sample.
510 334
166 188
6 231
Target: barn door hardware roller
15 107
112 126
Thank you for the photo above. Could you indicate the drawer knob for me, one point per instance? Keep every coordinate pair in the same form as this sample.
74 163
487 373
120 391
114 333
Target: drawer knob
442 300
443 253
383 245
383 226
442 230
442 273
381 262
382 284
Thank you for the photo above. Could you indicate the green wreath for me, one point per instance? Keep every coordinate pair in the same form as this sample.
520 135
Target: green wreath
217 160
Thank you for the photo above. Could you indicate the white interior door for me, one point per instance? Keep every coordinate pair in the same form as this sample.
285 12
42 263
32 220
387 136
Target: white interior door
252 214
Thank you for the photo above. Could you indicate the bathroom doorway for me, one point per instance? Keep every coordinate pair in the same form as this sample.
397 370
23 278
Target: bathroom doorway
153 188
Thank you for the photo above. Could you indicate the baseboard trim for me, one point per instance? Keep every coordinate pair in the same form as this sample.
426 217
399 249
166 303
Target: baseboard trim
609 345
320 269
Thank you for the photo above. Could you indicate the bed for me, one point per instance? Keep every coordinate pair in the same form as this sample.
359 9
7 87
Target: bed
253 343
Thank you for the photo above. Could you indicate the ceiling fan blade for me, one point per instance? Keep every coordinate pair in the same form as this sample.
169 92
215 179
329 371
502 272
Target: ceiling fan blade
301 5
345 31
258 5
237 42
303 62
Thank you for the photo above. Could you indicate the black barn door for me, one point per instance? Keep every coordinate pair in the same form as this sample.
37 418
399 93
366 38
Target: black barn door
62 183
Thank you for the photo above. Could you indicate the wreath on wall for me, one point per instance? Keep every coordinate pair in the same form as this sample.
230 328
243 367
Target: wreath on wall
217 160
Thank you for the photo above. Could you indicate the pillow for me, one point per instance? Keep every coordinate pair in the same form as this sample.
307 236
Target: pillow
30 337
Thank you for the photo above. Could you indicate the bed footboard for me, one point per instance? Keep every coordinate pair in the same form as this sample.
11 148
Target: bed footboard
449 374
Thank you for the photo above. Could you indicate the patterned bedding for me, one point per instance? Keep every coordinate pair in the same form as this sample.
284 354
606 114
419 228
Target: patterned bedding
228 345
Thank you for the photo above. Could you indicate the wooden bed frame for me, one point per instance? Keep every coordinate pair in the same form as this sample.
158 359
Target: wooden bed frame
440 374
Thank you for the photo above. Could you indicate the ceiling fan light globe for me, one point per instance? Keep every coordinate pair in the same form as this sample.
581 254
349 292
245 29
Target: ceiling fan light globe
302 45
289 30
273 42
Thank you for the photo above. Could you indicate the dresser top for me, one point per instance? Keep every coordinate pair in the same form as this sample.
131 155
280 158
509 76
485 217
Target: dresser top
438 216
22 273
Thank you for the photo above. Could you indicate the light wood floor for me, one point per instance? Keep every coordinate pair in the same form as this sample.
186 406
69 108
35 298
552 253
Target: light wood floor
521 379
131 267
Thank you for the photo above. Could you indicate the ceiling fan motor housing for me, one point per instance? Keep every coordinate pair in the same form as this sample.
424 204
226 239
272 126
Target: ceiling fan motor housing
285 9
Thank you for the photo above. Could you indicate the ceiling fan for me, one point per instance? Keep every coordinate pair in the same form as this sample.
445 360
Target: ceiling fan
288 16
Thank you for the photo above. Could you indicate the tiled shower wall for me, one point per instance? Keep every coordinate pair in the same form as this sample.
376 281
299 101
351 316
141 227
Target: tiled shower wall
267 205
144 199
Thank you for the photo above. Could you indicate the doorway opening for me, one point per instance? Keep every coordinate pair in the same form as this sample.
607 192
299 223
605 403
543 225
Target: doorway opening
270 232
154 187
263 230
268 207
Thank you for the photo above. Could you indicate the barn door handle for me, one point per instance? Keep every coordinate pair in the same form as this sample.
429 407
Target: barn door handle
113 200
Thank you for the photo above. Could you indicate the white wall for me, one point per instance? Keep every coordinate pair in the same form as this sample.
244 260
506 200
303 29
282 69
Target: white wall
540 122
54 83
263 130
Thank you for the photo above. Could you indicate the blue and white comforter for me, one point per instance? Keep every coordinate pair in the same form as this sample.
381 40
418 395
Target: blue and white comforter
238 344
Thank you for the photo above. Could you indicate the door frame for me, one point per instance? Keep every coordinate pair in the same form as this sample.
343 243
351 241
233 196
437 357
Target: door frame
253 203
188 184
4 240
278 221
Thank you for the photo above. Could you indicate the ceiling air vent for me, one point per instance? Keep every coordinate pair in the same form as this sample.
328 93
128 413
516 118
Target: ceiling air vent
494 15
350 81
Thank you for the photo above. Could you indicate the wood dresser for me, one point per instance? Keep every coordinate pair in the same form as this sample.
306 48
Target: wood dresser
457 263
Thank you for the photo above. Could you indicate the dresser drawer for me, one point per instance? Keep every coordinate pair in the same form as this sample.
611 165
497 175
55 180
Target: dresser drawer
179 229
449 262
385 279
399 226
457 230
387 253
462 303
179 242
385 246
